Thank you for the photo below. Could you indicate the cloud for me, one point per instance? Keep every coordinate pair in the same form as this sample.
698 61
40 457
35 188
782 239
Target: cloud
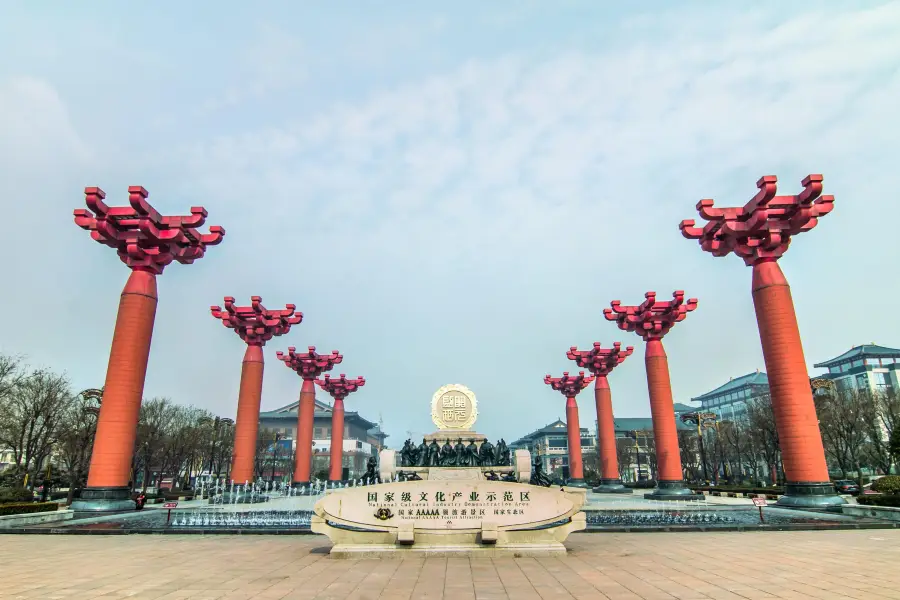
471 224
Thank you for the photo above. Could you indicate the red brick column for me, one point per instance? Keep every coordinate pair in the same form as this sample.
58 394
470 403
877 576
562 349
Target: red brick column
337 440
573 429
606 430
305 415
246 427
124 387
792 402
665 436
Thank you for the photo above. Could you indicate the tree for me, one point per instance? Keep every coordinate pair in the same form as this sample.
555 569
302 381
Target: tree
76 438
32 405
764 434
690 454
154 425
843 428
881 417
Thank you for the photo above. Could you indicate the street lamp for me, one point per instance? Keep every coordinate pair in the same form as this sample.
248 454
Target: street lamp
703 421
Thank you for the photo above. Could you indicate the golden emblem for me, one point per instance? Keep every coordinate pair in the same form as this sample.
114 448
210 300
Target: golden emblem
454 407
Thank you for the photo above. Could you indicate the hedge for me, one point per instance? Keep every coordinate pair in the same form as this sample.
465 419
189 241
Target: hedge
889 484
880 500
16 495
27 507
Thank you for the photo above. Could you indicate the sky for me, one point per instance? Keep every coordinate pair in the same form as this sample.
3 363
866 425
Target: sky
450 193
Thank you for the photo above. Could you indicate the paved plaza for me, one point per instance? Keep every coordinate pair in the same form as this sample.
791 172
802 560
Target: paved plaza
734 566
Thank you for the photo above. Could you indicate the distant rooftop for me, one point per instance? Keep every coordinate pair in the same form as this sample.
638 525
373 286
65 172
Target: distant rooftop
756 378
322 410
862 351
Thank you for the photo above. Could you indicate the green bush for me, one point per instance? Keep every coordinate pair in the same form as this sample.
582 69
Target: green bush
880 500
27 507
15 495
889 484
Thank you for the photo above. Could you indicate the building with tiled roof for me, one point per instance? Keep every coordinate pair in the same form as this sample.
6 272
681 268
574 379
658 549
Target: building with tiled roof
362 437
729 401
868 367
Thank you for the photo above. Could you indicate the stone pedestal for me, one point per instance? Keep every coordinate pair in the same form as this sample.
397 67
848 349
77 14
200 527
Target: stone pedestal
104 501
611 486
453 518
672 490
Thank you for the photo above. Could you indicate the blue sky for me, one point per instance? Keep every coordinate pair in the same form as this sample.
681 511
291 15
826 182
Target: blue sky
450 195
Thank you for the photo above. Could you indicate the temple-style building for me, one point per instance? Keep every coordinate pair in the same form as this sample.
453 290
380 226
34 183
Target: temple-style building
552 446
362 437
868 367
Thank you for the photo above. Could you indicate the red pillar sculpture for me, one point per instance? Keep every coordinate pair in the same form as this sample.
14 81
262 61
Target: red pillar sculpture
255 325
600 362
760 233
652 320
339 389
146 242
570 387
308 365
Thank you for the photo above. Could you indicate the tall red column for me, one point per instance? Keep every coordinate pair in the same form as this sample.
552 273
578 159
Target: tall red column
146 242
255 325
600 362
665 434
117 424
337 441
760 233
570 387
652 320
306 412
308 365
339 389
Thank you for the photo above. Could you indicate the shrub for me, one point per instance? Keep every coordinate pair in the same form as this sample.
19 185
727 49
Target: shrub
880 500
15 495
21 508
889 484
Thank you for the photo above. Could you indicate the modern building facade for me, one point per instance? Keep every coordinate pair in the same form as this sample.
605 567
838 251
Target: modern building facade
869 368
362 437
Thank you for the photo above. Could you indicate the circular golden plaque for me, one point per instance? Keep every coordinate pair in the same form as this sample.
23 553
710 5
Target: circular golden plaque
454 407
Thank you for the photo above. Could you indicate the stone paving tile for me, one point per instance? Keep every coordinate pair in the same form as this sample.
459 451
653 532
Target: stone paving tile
818 565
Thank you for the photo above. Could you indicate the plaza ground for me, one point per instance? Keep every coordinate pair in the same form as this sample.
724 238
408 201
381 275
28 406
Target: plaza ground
734 566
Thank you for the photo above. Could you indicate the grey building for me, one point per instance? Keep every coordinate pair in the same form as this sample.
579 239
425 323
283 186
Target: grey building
362 437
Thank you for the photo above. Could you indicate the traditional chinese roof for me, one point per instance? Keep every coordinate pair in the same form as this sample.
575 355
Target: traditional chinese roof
860 352
751 379
557 427
323 411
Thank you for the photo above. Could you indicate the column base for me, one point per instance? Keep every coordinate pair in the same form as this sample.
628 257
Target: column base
577 483
821 495
299 484
104 500
611 486
672 490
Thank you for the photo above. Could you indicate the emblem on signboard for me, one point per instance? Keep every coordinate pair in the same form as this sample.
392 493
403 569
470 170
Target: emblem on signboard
454 407
383 514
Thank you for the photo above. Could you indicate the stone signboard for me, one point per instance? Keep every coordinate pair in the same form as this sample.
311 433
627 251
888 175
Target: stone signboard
450 517
449 504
